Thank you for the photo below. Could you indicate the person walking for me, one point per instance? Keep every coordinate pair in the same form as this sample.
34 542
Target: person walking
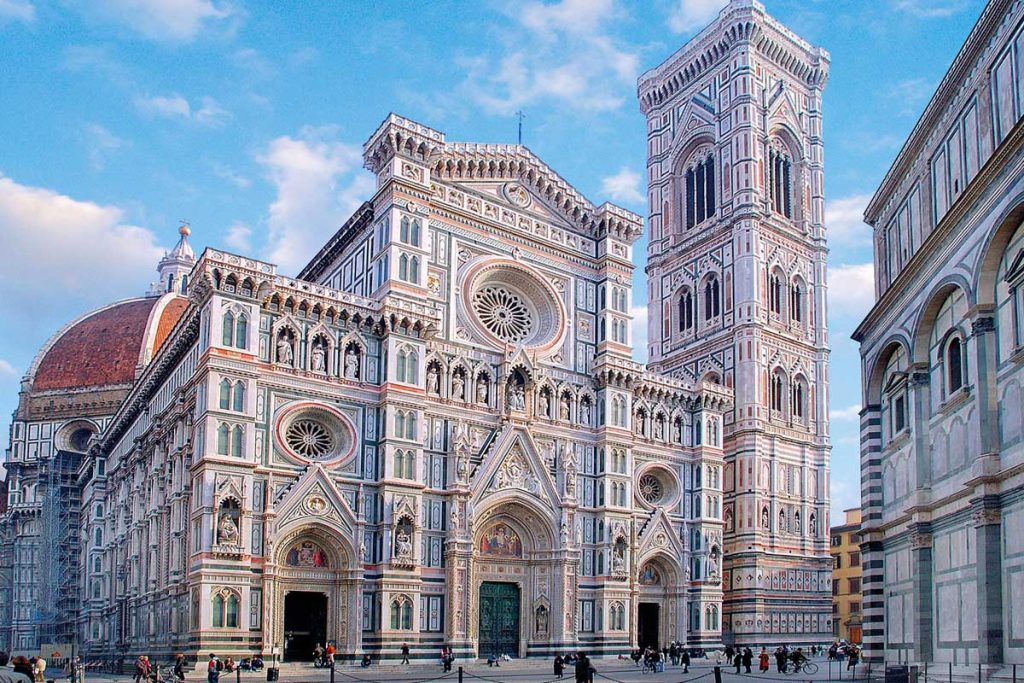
179 667
141 669
213 669
854 655
737 660
780 659
584 671
684 658
559 666
748 659
405 653
39 669
763 659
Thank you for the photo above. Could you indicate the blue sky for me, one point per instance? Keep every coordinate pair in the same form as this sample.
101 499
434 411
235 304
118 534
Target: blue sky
119 118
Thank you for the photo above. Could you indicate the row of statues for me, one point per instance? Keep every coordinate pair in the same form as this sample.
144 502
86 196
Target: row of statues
318 357
482 392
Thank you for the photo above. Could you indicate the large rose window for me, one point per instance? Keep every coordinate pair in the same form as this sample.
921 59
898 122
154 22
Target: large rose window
512 304
314 432
503 313
650 489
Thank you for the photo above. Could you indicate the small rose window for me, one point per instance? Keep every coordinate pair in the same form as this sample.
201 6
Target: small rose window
503 313
309 438
314 432
651 489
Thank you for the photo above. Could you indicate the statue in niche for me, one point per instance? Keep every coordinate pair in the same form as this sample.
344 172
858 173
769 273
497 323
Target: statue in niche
564 533
659 429
481 390
458 387
542 620
619 559
285 355
227 530
403 546
679 431
713 564
433 381
545 405
319 358
454 521
351 363
563 411
516 397
764 518
585 412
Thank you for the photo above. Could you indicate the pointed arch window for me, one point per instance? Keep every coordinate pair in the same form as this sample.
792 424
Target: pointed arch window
796 302
242 331
236 441
798 400
225 394
712 298
223 439
780 171
700 191
776 393
686 311
228 332
775 293
238 397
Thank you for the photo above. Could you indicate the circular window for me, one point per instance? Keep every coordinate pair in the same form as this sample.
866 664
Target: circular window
512 304
315 432
650 489
503 313
309 438
657 486
75 436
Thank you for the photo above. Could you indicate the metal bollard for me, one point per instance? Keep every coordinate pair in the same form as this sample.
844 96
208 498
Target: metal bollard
460 674
718 674
332 671
238 673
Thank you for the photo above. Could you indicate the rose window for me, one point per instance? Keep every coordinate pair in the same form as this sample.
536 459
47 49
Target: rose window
317 432
309 438
650 488
503 313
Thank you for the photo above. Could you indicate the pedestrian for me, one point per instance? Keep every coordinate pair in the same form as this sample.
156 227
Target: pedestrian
8 675
559 666
854 655
748 659
179 667
737 660
584 671
405 653
39 669
213 669
780 659
762 660
685 659
330 653
21 665
141 669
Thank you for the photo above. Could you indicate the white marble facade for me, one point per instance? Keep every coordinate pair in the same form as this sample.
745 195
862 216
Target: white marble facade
941 427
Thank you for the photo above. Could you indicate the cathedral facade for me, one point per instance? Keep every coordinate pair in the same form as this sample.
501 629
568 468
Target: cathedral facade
435 434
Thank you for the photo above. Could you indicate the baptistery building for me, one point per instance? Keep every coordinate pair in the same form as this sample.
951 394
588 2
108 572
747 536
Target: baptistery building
942 428
435 434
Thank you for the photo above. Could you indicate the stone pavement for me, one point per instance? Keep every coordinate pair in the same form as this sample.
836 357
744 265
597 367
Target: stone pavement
532 671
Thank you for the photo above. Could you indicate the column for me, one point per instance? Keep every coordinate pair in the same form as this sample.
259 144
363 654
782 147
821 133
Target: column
989 570
921 567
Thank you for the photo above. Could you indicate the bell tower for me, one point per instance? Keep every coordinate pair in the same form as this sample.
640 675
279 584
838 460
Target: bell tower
736 277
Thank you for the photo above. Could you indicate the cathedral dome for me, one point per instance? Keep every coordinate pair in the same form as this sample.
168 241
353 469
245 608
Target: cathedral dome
107 346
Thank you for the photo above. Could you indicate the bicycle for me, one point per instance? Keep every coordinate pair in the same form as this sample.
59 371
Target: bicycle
809 668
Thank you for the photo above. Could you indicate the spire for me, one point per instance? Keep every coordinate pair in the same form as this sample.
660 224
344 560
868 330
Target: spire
175 265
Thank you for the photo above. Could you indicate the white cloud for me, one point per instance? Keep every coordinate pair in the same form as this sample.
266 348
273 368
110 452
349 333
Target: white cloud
160 20
931 8
17 10
560 51
319 184
209 113
624 186
230 175
7 370
101 145
239 237
691 15
69 252
851 290
847 414
911 93
844 220
639 314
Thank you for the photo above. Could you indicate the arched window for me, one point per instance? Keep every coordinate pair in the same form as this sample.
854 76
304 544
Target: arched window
894 395
712 298
231 612
238 398
236 441
242 331
97 564
700 191
401 614
218 611
399 424
228 332
225 394
223 439
775 293
405 228
780 170
954 364
400 370
414 237
796 301
776 393
414 269
686 311
403 267
798 399
97 537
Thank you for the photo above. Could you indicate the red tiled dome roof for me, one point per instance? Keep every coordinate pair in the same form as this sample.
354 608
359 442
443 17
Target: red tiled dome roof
105 347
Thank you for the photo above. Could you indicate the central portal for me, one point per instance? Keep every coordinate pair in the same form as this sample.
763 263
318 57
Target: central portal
499 619
305 624
647 625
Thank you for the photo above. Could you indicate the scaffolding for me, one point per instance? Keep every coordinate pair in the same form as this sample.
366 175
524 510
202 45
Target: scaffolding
59 548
